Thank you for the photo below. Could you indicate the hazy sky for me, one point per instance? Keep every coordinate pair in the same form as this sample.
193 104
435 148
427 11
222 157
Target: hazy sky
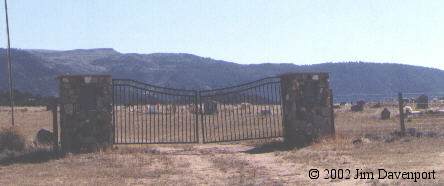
243 31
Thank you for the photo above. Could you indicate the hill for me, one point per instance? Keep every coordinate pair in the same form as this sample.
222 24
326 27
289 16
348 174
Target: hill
35 71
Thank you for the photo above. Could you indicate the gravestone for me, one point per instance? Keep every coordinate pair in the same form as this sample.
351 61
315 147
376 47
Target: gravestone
385 114
422 102
209 107
359 107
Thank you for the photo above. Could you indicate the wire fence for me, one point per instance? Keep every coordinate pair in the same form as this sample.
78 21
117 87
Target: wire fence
413 111
390 97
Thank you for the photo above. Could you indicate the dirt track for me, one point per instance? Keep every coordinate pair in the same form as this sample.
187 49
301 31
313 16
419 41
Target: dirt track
233 164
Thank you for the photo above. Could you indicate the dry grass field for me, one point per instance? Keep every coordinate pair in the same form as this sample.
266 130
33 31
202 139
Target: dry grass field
263 162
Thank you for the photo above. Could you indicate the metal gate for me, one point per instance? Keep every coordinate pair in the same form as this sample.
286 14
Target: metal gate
247 111
148 114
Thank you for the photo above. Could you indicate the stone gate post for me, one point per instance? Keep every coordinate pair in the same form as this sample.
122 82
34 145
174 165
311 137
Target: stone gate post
85 113
307 109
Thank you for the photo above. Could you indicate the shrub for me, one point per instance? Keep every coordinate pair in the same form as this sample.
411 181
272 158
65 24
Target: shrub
11 139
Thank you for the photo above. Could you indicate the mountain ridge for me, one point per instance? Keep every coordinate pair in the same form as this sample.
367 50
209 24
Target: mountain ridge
35 71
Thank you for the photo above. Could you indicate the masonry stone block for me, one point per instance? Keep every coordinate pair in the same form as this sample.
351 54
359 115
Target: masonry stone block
85 113
307 108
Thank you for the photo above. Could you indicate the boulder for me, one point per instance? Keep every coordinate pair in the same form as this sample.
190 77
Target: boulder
44 137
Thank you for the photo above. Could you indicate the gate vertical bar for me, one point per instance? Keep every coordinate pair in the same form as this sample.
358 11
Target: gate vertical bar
196 112
281 103
120 116
114 112
138 115
125 105
188 135
201 113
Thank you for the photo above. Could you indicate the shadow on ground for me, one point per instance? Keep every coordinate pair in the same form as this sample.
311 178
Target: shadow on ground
270 147
31 156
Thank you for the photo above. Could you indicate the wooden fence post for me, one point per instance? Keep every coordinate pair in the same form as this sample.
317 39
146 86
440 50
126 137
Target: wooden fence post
55 126
401 113
53 107
332 113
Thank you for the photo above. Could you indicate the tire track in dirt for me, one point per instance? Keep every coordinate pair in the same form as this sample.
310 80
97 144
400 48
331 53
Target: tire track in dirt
299 173
246 168
285 172
220 165
273 169
225 165
201 170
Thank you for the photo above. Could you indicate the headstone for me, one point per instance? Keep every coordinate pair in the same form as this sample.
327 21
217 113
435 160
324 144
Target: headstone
359 107
209 107
422 102
385 114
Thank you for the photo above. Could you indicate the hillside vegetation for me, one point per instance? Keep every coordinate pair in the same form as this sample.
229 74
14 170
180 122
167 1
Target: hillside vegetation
36 71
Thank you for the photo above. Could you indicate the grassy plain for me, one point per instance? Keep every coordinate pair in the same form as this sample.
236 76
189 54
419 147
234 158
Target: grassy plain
263 162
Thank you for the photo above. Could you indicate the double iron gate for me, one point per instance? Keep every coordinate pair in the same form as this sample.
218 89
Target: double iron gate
145 114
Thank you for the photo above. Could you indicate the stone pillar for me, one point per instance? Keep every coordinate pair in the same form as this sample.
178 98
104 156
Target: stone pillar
85 113
307 108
